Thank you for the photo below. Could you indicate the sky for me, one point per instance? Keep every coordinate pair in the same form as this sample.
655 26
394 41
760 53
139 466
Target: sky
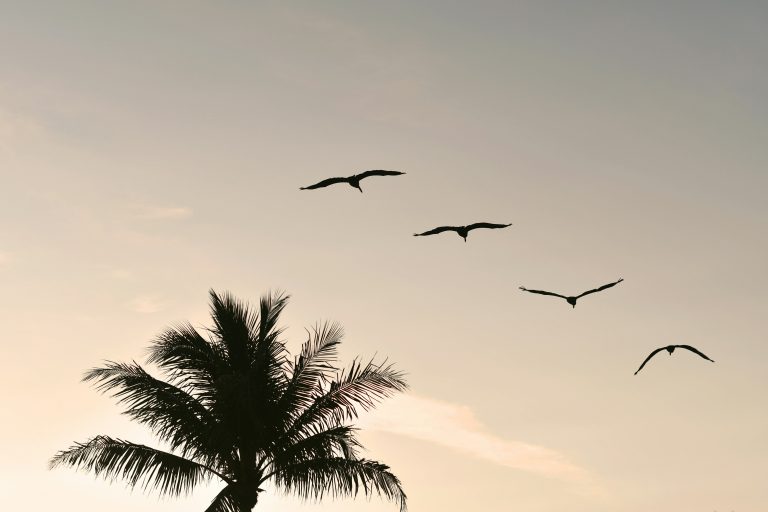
151 151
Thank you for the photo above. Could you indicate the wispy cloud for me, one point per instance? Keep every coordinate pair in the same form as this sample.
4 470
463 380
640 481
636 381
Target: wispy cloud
161 212
147 304
455 426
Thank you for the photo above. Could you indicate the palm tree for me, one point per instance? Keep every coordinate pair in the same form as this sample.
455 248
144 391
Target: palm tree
236 407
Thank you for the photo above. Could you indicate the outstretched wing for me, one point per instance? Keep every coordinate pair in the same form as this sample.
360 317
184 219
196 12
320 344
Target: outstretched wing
325 183
487 225
436 231
542 292
695 351
649 357
378 172
600 289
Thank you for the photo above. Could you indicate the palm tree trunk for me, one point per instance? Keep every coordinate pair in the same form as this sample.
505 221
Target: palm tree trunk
246 505
246 501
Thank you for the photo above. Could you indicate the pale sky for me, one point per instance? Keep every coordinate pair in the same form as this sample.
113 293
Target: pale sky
150 151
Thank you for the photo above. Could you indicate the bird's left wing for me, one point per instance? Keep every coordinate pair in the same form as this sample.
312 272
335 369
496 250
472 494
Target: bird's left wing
379 172
649 358
609 285
488 225
325 183
542 292
436 231
695 351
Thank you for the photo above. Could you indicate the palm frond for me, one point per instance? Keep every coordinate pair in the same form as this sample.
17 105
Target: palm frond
269 353
271 306
224 501
189 359
117 459
357 387
322 444
173 415
235 325
312 367
337 476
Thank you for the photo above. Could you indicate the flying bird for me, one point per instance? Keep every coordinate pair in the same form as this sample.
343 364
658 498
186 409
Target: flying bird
572 299
353 180
670 349
463 231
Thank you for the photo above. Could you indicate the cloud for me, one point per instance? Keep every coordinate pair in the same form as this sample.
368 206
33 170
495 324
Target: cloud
455 426
161 212
147 304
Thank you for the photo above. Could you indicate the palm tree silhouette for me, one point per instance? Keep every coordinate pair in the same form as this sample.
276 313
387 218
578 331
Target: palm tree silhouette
236 407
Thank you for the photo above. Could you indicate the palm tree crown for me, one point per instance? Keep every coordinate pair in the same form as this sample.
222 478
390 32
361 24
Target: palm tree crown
236 407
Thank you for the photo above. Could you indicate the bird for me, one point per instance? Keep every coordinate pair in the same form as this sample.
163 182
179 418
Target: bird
353 180
670 349
463 231
572 299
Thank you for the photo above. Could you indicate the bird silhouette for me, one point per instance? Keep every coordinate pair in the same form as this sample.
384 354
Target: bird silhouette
670 349
353 180
463 231
572 299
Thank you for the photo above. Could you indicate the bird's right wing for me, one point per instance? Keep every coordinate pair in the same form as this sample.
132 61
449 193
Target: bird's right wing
436 231
325 183
601 288
695 351
649 357
542 292
379 172
487 225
